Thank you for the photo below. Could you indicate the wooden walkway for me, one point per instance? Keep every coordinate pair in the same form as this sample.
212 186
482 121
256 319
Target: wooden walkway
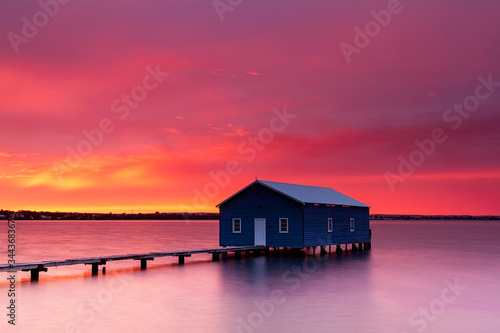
36 267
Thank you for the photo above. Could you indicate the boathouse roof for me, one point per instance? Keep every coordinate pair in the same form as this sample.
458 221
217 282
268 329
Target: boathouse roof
305 194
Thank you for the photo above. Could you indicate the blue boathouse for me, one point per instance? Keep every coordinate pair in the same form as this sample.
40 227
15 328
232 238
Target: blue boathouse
285 215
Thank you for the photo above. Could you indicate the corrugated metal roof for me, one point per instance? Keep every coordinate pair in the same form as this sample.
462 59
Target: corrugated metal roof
307 194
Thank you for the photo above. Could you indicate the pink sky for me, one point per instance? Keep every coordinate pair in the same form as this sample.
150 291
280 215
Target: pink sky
266 91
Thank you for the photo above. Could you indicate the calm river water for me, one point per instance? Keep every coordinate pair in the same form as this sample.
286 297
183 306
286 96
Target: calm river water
421 276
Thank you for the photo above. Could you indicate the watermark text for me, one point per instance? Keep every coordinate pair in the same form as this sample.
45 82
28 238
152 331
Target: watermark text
11 260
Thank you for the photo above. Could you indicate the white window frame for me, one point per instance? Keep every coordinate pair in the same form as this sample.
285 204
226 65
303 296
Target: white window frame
330 224
351 224
234 229
280 229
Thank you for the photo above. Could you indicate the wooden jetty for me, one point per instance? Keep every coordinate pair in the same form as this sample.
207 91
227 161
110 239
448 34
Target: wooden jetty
36 267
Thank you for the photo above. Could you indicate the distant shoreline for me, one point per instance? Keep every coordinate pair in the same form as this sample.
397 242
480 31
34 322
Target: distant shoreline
51 216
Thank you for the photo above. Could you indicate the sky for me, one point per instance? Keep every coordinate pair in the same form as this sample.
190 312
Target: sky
174 105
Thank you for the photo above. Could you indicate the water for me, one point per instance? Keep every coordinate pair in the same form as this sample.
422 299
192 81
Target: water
418 277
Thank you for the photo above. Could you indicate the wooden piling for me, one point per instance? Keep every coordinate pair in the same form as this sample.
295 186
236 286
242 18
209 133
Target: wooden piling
95 269
35 274
144 262
95 264
182 256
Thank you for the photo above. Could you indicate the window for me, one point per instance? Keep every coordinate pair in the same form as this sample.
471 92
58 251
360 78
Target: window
330 224
236 226
352 224
283 226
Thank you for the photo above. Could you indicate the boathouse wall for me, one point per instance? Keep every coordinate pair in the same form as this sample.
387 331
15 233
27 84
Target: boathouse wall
316 224
258 201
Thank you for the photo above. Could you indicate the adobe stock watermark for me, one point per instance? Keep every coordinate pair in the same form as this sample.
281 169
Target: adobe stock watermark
121 108
454 117
248 149
292 280
372 29
11 260
421 318
87 312
30 27
223 6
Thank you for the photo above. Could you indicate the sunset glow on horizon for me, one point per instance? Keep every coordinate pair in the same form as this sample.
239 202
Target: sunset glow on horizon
173 106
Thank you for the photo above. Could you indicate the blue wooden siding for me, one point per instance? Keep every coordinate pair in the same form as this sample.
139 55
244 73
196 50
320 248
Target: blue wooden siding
316 225
258 201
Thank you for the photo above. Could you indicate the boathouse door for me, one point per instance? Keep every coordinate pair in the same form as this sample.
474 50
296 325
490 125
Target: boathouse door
260 231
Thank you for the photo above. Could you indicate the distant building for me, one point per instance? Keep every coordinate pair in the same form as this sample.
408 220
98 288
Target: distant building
276 214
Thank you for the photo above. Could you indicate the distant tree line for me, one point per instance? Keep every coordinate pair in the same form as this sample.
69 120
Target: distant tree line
33 215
